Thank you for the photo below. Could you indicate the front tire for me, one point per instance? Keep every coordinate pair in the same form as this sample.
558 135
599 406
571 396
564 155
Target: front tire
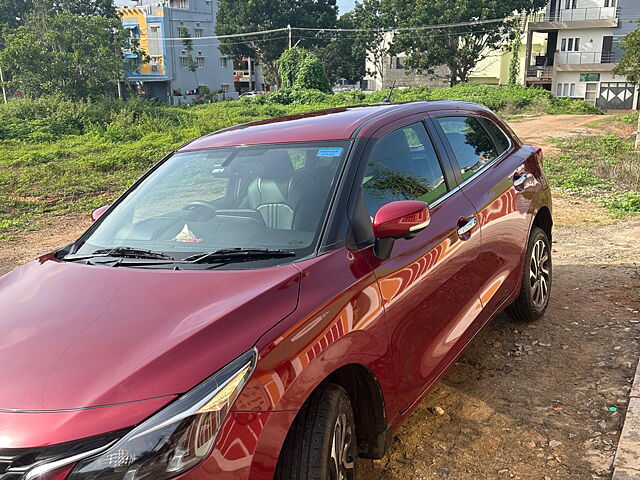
321 444
535 289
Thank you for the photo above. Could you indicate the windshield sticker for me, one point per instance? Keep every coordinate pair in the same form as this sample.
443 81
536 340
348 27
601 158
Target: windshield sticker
187 236
330 152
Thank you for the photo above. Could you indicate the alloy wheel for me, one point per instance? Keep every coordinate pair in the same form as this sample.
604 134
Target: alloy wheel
341 465
540 274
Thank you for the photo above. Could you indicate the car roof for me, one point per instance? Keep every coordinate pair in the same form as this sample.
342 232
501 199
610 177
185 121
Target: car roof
324 125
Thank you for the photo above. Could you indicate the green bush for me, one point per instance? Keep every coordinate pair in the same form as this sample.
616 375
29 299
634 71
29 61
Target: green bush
301 69
569 106
58 156
50 117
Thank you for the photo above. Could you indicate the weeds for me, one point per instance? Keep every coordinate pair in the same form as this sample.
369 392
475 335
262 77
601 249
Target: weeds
607 168
58 156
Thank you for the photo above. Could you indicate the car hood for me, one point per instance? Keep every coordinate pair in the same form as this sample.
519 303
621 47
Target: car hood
76 336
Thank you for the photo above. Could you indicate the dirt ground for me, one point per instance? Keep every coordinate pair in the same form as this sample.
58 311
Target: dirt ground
525 401
544 400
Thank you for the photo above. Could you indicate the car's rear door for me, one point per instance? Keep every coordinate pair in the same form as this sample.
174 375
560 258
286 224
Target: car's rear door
492 173
430 300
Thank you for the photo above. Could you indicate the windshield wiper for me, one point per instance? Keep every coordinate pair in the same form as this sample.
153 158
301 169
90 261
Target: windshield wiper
238 254
122 252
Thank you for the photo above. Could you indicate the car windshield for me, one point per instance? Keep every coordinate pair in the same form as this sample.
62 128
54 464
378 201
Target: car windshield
258 197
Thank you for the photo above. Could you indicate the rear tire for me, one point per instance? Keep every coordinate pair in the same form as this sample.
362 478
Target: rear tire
535 288
321 444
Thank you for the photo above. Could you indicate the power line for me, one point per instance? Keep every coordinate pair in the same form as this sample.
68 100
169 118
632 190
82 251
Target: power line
450 34
234 35
352 30
198 45
408 29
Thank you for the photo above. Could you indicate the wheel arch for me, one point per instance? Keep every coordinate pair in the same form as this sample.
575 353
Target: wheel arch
544 220
367 400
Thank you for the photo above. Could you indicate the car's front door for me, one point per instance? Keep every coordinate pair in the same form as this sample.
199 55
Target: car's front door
495 179
430 299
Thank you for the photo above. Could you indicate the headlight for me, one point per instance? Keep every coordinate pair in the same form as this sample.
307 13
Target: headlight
178 437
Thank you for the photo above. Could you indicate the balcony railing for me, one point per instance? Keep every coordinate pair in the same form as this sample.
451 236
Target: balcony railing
539 72
577 14
579 58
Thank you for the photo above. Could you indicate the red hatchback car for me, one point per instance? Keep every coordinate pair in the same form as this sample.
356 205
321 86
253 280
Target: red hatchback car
272 300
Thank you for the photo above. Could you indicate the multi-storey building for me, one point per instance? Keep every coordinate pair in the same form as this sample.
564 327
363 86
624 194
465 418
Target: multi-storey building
583 39
174 72
495 66
248 76
385 71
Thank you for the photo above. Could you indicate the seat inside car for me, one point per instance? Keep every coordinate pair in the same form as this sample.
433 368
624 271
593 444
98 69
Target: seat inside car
283 197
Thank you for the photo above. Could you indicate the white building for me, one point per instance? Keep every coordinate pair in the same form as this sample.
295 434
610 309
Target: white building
386 70
583 38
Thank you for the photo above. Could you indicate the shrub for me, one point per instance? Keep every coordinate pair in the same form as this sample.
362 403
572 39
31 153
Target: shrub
569 106
301 69
73 155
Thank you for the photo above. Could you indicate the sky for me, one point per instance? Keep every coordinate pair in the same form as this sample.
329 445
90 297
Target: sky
345 5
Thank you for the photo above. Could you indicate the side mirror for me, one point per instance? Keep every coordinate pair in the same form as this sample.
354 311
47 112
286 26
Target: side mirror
403 219
98 212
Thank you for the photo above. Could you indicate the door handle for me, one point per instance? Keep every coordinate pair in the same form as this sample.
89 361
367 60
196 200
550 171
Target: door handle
468 227
520 181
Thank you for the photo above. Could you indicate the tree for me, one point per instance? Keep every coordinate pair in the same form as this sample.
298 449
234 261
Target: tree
103 8
344 57
374 18
74 55
459 48
187 42
629 65
13 12
516 46
257 15
299 68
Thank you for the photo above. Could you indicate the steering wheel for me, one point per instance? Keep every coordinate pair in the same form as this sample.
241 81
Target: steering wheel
200 205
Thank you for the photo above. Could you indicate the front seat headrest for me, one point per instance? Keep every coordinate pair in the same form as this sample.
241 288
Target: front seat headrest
274 164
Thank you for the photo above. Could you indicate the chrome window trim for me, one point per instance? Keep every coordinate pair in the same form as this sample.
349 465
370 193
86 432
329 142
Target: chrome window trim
504 154
444 197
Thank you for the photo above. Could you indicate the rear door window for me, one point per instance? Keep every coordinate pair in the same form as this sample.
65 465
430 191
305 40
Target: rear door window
403 166
470 142
500 138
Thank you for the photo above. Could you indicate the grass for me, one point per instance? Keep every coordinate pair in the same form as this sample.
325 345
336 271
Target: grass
605 168
58 157
621 120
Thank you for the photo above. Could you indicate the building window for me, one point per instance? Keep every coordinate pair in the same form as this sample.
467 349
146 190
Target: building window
155 43
570 4
566 90
396 63
200 62
185 62
181 4
609 3
198 32
570 45
224 61
225 87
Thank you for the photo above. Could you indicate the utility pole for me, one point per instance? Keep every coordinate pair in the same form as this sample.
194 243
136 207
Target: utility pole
290 36
4 90
638 134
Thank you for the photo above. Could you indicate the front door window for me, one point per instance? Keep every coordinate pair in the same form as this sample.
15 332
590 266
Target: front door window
403 166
